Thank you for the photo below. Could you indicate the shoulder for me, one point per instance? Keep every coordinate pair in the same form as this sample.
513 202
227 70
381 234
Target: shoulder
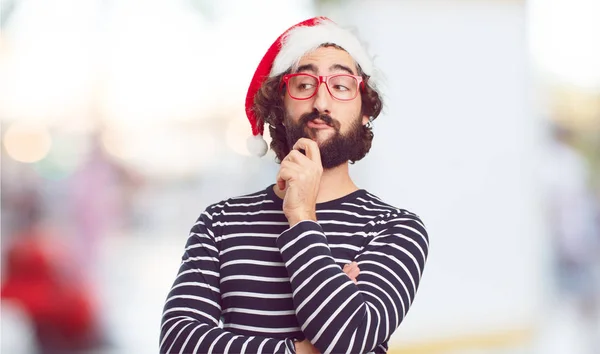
237 203
395 220
212 219
386 210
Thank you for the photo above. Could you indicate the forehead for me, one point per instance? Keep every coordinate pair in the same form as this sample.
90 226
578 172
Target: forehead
325 57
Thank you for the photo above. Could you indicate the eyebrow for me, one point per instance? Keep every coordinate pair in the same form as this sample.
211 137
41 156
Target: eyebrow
307 67
313 69
341 67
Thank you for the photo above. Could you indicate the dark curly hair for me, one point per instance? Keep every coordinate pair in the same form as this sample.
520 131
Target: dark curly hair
269 108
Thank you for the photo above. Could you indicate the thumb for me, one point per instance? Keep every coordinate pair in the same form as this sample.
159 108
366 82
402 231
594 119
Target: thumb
281 184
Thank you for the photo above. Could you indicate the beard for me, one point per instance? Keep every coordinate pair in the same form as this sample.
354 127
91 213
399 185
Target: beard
337 149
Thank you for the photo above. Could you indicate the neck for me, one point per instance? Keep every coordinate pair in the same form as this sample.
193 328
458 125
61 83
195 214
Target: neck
335 183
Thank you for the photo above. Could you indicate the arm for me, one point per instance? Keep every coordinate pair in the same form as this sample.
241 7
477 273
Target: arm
193 307
338 316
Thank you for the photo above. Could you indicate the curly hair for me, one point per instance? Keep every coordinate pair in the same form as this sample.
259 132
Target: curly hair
269 108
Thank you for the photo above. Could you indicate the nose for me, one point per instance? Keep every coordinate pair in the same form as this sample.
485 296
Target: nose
322 99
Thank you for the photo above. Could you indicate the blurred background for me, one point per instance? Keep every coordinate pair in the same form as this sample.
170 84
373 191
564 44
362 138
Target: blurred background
122 120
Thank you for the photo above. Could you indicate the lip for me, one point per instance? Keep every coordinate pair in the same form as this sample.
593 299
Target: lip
317 124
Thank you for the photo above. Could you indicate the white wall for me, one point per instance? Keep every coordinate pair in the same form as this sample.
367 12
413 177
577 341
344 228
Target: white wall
457 144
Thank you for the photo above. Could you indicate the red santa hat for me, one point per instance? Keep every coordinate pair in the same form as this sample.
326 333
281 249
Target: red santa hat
287 50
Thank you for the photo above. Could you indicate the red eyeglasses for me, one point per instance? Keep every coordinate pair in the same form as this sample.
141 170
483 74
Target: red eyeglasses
342 87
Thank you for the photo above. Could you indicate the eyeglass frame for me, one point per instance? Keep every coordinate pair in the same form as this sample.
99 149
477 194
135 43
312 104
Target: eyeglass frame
322 79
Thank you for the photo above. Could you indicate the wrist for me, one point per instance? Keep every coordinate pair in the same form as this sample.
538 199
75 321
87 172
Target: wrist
296 218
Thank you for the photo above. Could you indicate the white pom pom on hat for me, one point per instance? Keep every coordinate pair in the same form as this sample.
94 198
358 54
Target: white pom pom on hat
286 51
257 146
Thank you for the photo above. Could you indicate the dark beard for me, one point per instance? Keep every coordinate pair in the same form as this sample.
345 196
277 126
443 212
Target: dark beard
338 149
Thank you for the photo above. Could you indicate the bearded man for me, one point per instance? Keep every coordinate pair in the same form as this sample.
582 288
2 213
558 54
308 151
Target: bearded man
312 263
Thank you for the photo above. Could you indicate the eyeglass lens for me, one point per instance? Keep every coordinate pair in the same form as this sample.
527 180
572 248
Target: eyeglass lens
342 87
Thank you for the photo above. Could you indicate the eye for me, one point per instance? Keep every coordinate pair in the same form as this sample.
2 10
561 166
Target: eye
340 88
305 86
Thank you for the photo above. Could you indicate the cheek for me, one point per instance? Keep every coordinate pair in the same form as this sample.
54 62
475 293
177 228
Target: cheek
352 108
358 107
294 108
351 115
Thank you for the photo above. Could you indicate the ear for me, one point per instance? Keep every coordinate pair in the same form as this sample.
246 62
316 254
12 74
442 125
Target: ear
365 120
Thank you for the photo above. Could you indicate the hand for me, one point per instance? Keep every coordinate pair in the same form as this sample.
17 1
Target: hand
306 347
299 176
352 271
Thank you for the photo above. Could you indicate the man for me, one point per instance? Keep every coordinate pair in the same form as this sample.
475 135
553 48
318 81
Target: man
312 263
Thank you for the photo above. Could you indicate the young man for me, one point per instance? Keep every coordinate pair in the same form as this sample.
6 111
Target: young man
312 263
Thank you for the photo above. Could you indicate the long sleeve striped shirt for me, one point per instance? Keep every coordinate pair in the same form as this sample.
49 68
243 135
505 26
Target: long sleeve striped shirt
250 283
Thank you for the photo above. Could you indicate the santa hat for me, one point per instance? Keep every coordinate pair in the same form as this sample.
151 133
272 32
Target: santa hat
287 50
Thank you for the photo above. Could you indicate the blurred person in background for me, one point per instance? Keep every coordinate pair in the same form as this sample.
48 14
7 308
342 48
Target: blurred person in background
100 192
40 284
311 263
572 216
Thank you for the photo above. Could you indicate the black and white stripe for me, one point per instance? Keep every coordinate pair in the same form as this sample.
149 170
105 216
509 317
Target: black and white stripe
266 283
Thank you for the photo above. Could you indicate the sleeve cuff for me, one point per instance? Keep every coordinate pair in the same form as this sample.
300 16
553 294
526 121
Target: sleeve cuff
304 227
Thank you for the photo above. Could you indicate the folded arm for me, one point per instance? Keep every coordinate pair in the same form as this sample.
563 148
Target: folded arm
190 322
339 316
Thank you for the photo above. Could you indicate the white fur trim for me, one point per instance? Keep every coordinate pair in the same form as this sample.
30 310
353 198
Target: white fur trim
257 146
304 39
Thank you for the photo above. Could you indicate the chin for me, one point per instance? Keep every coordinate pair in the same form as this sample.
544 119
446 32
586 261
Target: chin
320 141
321 137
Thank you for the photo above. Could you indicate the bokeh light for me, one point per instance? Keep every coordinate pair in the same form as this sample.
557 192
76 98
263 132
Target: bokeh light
27 142
564 41
67 154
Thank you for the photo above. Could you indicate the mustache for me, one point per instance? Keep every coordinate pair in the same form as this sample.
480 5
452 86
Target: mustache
308 117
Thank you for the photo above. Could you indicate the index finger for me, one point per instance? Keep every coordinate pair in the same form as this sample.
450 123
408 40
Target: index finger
310 147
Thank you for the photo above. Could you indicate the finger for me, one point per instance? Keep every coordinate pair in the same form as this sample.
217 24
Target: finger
351 266
291 157
310 147
282 177
281 184
352 271
287 171
290 170
353 278
296 156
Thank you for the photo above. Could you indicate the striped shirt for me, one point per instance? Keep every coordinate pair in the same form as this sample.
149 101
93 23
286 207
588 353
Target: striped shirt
248 283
